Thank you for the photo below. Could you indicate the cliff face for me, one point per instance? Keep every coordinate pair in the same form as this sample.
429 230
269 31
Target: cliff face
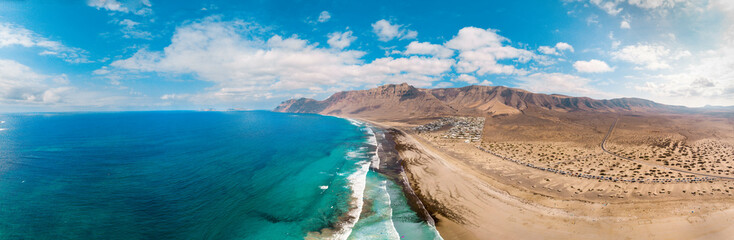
392 101
404 101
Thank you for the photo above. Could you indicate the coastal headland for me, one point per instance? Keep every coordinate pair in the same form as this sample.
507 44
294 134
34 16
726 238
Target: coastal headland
502 163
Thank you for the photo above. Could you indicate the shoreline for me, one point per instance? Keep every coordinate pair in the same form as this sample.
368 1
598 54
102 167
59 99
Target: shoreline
392 166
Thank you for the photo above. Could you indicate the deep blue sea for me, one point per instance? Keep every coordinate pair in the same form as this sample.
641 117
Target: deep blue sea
196 175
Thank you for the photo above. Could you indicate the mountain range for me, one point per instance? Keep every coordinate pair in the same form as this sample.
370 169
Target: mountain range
401 101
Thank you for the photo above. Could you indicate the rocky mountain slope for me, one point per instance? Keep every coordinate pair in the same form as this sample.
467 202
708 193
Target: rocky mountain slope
399 101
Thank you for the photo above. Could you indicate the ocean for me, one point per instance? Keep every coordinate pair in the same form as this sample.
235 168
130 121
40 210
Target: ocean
196 175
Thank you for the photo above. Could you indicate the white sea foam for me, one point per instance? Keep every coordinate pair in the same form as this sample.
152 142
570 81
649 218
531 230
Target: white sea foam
358 182
372 140
393 232
355 122
375 160
376 155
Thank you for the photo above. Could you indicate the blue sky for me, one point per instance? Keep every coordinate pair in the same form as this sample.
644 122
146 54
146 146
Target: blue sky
152 54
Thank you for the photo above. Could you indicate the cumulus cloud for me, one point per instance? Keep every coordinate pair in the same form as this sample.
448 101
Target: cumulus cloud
110 5
443 85
386 31
707 81
707 78
624 25
174 96
691 88
649 56
608 6
467 79
14 35
562 46
341 40
592 66
138 7
612 7
652 4
324 16
726 6
481 49
130 30
559 83
556 50
244 65
486 83
20 84
547 50
426 48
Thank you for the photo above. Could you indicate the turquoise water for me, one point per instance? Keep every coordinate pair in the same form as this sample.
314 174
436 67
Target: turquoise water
195 175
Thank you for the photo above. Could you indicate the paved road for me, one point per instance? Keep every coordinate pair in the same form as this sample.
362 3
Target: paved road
652 164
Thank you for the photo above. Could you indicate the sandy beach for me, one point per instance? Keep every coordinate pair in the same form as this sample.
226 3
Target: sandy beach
474 195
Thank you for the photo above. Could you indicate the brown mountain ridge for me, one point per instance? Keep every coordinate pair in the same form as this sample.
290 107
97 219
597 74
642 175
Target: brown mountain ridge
401 101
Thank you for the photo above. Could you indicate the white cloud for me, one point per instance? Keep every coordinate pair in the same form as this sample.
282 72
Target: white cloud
19 84
547 50
562 46
386 31
651 4
324 16
559 83
110 5
244 66
613 7
467 79
593 19
409 34
426 48
651 57
708 80
128 23
485 83
616 44
13 35
426 66
610 7
592 66
624 25
175 96
443 85
137 7
471 38
480 50
685 85
130 30
341 40
725 6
